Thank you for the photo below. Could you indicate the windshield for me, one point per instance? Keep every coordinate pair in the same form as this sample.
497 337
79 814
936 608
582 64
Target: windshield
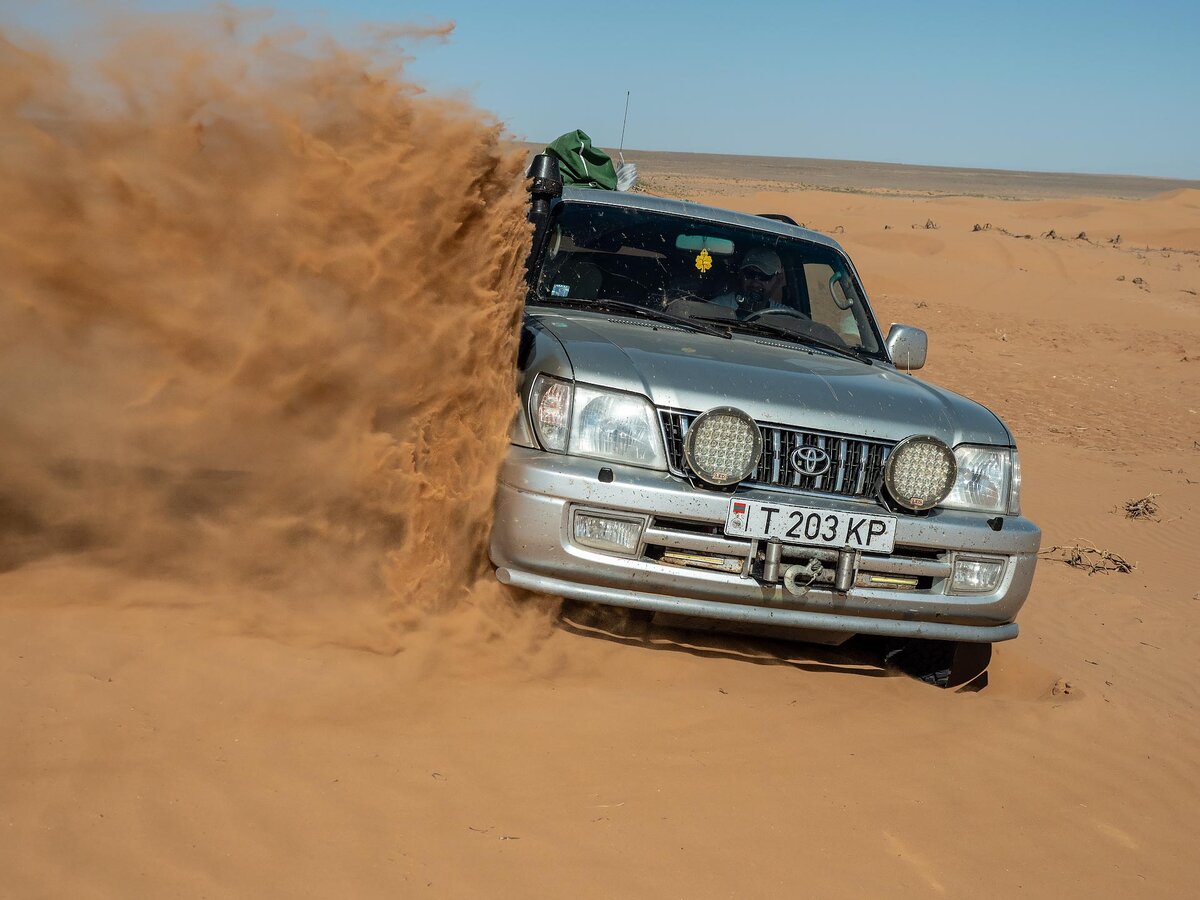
742 279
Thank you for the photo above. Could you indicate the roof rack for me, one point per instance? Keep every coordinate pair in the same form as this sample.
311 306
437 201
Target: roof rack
779 217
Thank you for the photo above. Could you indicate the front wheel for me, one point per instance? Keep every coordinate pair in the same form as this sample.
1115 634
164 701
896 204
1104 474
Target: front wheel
943 664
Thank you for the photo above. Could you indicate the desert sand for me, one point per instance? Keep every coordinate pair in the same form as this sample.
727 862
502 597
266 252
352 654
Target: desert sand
158 751
179 730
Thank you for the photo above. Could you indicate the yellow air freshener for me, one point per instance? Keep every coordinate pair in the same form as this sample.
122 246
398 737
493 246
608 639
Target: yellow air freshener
704 261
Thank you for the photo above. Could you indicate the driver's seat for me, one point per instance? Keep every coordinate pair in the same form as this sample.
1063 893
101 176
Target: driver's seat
581 278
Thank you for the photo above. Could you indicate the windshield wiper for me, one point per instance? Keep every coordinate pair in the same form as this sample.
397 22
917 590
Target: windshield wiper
644 312
767 328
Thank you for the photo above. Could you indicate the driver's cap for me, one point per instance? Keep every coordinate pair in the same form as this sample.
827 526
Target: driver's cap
762 258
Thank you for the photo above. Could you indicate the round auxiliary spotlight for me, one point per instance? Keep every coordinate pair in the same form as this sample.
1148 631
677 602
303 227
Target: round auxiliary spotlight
920 472
723 446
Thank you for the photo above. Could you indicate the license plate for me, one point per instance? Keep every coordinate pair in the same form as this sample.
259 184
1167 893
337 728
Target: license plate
810 526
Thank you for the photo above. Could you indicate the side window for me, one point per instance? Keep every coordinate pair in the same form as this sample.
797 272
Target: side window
825 293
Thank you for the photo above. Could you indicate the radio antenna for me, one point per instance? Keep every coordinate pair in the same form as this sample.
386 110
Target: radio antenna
626 172
621 150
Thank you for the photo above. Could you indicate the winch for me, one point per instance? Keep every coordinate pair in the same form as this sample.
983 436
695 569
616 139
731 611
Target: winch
799 577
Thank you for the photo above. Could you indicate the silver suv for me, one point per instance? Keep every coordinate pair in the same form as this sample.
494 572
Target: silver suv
713 426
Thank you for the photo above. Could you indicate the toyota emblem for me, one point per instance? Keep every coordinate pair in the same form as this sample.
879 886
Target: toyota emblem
811 461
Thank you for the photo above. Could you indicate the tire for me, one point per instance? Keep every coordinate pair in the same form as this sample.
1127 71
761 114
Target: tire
943 664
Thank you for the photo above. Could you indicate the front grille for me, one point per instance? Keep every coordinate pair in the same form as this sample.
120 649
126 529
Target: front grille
856 463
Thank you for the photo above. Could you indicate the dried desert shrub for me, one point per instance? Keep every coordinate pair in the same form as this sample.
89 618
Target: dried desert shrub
1089 558
1145 508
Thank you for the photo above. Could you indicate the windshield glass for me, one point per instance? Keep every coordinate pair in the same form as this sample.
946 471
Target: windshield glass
748 280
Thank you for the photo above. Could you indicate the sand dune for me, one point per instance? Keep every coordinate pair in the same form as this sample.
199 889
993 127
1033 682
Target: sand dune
150 753
1185 197
733 174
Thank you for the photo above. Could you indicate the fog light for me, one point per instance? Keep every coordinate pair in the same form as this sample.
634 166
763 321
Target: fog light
976 576
608 534
920 472
723 446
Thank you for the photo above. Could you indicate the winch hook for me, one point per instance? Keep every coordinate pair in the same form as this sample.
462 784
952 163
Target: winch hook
808 572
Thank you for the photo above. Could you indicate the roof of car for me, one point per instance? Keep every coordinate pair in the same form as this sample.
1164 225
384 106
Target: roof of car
696 211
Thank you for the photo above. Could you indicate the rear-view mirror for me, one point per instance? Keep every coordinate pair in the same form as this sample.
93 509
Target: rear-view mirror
697 242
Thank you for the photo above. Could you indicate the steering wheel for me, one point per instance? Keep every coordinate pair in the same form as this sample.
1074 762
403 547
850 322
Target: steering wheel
818 330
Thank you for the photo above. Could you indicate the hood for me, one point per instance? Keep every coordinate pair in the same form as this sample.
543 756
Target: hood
773 381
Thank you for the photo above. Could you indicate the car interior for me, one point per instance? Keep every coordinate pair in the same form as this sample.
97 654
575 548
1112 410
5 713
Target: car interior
661 271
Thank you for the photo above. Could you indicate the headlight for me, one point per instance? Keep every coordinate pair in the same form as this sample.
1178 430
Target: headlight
919 473
723 446
986 481
587 421
620 427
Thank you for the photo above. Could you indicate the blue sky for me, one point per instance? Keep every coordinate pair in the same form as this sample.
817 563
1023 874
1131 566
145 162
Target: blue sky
1052 86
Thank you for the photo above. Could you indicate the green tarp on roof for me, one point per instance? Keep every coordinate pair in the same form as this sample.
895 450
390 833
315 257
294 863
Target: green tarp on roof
581 164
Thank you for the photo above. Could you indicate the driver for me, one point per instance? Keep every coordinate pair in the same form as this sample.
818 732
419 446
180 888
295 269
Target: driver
761 282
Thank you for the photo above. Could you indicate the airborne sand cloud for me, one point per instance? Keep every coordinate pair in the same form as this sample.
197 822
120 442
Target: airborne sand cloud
259 310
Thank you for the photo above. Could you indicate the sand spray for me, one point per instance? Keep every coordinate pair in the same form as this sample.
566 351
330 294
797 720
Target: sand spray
259 303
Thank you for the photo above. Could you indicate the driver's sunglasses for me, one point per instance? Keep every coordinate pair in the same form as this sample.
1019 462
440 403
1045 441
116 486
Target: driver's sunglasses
756 274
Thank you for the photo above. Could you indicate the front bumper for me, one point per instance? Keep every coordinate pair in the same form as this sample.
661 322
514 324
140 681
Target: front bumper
532 547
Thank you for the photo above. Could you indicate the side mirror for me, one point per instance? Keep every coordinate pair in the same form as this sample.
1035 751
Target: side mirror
907 346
